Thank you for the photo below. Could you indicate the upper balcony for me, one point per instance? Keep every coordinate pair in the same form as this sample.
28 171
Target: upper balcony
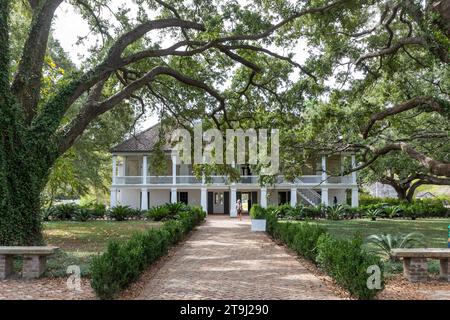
134 170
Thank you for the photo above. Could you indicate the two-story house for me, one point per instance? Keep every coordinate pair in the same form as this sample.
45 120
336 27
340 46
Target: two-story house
135 184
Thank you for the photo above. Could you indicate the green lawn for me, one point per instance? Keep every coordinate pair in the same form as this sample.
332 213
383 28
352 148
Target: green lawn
434 230
79 241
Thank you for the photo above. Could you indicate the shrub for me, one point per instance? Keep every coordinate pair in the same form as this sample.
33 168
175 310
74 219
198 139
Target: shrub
373 214
64 212
305 240
336 212
348 263
120 213
384 243
122 263
344 260
81 214
158 213
257 212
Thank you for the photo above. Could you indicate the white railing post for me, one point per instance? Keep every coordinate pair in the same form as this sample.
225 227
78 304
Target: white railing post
114 169
173 196
324 169
144 170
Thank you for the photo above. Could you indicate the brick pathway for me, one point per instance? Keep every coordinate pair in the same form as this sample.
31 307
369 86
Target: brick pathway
224 260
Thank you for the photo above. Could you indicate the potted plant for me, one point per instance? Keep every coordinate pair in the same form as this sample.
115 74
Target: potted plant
258 218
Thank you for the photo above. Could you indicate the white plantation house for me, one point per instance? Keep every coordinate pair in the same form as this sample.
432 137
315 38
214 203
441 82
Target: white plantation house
135 184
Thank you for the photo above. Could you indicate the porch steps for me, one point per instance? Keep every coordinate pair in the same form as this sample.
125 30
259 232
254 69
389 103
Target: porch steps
310 196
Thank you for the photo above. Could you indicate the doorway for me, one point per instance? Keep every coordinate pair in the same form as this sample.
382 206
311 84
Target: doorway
218 202
247 200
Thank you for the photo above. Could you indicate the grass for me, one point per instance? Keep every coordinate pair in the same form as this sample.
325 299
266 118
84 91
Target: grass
434 230
79 241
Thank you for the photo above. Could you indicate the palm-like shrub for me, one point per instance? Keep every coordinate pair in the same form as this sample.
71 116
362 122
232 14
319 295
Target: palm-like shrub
373 214
64 212
384 243
120 213
393 212
335 212
158 213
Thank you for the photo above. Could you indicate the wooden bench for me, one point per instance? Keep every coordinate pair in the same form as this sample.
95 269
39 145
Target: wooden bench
34 260
415 267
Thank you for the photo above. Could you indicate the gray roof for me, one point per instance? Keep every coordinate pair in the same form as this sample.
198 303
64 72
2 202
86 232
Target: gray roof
142 142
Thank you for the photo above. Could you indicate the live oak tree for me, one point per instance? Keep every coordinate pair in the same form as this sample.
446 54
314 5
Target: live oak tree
390 94
208 40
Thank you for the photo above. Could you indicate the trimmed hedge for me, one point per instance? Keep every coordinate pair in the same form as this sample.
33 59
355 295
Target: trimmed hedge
122 263
343 260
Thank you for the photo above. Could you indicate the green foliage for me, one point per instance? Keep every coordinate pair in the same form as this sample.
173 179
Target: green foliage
159 213
348 263
373 214
344 260
336 212
257 212
122 263
121 213
384 243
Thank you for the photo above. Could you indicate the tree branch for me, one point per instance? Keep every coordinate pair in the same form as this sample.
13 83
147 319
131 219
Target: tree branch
27 82
427 102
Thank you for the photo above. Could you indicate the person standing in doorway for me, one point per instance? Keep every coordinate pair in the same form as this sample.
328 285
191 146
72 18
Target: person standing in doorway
239 209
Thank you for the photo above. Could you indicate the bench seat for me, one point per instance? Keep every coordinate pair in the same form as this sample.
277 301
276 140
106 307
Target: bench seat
34 260
415 267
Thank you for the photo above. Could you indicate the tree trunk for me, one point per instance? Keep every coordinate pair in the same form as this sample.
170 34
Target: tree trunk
23 173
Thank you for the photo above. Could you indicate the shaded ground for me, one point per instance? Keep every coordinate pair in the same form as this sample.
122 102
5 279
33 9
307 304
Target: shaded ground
224 260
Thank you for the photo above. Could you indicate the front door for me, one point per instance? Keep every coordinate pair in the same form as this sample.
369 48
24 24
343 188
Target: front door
219 203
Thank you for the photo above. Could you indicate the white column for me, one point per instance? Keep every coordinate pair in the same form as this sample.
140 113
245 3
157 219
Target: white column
293 197
204 199
342 165
325 196
233 198
263 201
353 166
173 197
144 199
114 169
324 169
113 198
174 169
355 198
144 170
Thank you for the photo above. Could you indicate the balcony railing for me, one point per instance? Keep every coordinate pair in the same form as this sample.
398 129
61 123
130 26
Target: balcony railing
223 180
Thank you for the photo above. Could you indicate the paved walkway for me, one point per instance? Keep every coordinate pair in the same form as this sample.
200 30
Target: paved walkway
224 260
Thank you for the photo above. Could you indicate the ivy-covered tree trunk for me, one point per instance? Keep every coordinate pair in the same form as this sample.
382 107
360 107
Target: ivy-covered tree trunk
21 183
23 170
